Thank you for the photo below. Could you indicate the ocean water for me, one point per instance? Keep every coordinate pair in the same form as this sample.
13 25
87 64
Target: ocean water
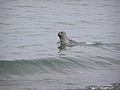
29 55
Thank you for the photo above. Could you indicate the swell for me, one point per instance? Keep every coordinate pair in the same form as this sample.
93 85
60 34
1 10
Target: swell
46 65
59 65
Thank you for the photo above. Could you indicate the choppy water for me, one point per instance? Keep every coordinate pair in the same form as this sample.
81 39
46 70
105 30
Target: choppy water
29 54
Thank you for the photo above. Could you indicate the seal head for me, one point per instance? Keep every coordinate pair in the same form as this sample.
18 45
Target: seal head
64 40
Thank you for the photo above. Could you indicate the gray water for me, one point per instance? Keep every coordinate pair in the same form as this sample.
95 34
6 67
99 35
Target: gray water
29 55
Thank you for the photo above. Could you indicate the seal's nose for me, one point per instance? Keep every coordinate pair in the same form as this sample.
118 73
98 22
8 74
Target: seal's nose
59 35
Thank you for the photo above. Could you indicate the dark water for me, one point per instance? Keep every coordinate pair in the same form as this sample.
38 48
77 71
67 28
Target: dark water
29 55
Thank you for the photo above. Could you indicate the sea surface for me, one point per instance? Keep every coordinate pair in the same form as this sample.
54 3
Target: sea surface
29 55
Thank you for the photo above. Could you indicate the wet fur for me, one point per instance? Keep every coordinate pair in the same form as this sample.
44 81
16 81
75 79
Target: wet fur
64 40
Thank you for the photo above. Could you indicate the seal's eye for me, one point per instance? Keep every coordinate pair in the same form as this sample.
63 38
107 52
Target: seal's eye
61 32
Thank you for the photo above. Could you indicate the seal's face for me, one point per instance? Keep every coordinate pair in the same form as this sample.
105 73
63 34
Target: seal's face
61 35
64 40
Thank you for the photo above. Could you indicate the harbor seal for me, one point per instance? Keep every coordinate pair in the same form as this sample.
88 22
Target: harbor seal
64 40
